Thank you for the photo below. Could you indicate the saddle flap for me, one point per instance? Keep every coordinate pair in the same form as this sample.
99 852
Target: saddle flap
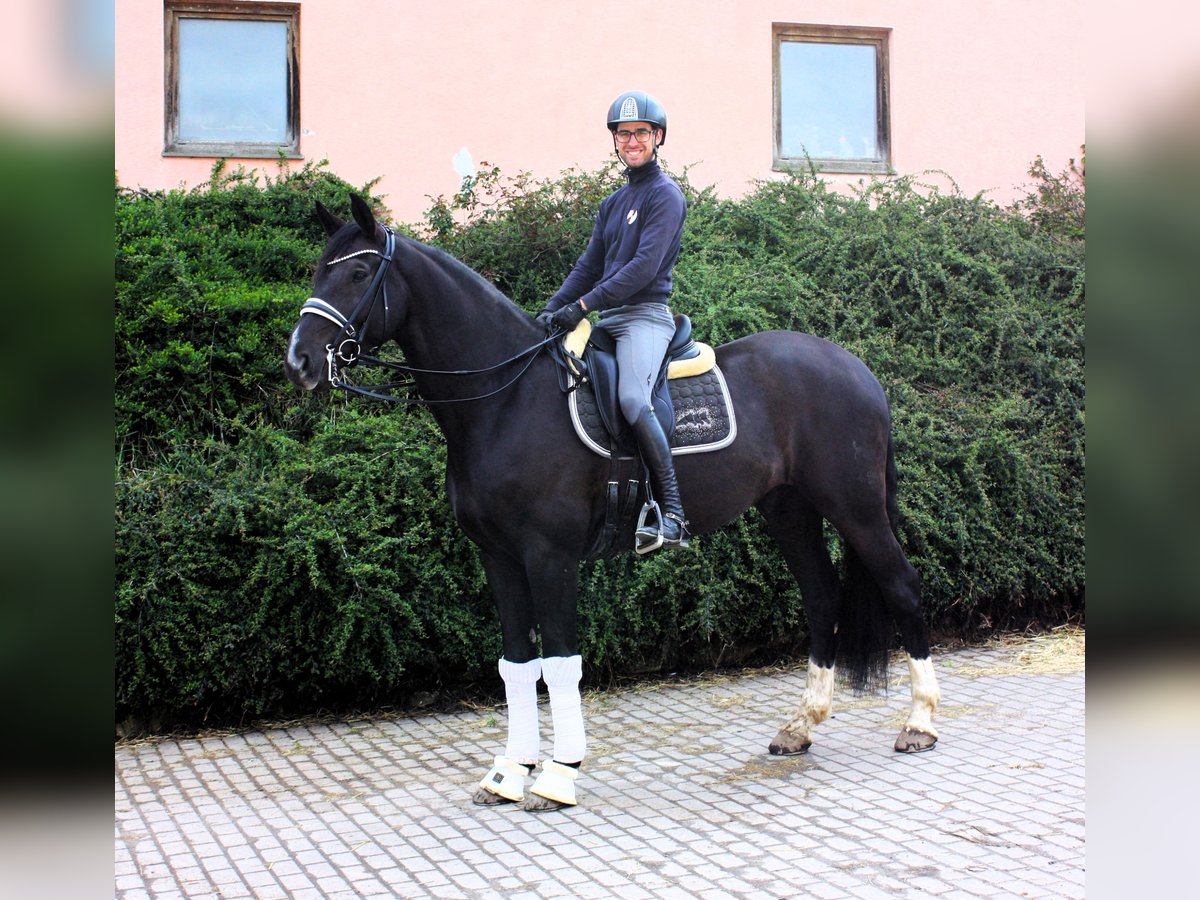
602 373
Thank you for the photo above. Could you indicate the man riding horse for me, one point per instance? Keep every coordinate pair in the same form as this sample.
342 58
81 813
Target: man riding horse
813 446
625 274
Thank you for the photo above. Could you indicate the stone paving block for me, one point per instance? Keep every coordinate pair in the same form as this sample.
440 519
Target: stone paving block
825 890
345 809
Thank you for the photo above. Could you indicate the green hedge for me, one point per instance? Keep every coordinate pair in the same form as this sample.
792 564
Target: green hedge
281 553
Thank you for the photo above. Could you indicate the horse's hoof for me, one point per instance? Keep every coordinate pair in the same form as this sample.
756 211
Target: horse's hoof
487 798
535 804
788 744
505 782
553 789
913 740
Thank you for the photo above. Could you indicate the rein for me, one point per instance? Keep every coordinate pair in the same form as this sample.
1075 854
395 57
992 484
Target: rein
338 381
345 350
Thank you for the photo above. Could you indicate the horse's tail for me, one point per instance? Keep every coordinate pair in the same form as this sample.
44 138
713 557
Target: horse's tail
865 626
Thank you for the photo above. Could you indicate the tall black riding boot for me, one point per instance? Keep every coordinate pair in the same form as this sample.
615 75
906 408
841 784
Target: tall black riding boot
657 454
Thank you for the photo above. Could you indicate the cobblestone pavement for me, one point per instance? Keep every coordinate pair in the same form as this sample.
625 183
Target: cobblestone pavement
678 799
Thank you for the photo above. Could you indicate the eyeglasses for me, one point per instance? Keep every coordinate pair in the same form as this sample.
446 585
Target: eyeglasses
642 134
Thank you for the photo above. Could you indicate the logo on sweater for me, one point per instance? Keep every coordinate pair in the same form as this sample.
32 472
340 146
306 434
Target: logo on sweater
631 217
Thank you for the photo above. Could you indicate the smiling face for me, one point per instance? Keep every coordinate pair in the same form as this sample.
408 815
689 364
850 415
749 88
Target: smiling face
632 151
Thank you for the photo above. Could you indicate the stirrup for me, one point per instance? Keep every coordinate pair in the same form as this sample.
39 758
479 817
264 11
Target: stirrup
646 538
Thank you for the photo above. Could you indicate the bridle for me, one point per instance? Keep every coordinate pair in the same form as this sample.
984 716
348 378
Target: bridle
345 350
345 347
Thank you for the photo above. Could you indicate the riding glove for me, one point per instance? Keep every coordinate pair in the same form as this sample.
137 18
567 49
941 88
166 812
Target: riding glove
568 316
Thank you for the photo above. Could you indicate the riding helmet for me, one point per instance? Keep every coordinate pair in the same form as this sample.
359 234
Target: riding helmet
637 106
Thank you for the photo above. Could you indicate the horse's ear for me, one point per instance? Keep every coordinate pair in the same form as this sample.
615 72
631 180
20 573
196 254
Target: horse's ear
363 215
328 220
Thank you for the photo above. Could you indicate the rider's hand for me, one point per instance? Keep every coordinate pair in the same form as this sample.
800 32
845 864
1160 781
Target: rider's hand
568 317
544 318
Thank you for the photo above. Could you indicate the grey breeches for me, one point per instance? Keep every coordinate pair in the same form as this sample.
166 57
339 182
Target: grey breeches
643 332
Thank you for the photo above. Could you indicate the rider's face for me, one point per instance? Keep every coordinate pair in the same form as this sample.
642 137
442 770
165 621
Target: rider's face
634 153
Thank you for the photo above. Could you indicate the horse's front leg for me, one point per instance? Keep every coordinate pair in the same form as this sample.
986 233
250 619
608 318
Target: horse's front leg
520 668
554 582
537 599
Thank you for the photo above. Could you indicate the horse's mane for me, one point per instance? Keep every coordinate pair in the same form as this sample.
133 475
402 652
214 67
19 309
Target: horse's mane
462 274
469 282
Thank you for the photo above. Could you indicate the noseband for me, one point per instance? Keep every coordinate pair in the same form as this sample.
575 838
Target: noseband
346 345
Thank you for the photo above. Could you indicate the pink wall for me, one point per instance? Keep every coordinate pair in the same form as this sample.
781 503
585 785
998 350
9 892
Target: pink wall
396 89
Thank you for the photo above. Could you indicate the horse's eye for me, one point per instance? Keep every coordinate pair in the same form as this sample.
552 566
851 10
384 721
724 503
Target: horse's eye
360 275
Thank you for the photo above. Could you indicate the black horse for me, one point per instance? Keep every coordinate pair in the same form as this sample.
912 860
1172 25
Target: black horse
813 442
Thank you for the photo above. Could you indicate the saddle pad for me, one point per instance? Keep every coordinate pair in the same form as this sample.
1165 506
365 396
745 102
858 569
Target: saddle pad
704 417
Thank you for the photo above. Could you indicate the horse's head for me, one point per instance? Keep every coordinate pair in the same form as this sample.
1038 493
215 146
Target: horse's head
349 309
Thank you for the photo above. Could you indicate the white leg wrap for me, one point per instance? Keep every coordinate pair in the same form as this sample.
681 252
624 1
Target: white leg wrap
520 690
562 674
925 695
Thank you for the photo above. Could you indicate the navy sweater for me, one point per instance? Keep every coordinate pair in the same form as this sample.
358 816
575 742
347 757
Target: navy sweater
633 247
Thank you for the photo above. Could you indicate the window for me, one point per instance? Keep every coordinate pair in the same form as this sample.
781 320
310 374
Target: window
831 98
232 79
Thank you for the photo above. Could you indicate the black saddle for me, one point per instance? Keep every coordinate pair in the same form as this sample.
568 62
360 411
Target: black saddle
696 390
599 366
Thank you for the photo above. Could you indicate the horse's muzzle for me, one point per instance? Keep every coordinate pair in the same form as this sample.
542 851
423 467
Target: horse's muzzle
302 368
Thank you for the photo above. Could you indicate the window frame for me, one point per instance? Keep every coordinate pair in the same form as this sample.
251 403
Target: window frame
881 163
288 13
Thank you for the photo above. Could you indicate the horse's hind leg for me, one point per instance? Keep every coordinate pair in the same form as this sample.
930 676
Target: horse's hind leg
797 528
918 732
904 600
877 549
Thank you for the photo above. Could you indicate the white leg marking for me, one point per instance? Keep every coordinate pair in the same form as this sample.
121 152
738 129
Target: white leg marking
925 695
816 702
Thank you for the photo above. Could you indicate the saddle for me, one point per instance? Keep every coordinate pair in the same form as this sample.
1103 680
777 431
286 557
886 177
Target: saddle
691 401
590 374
